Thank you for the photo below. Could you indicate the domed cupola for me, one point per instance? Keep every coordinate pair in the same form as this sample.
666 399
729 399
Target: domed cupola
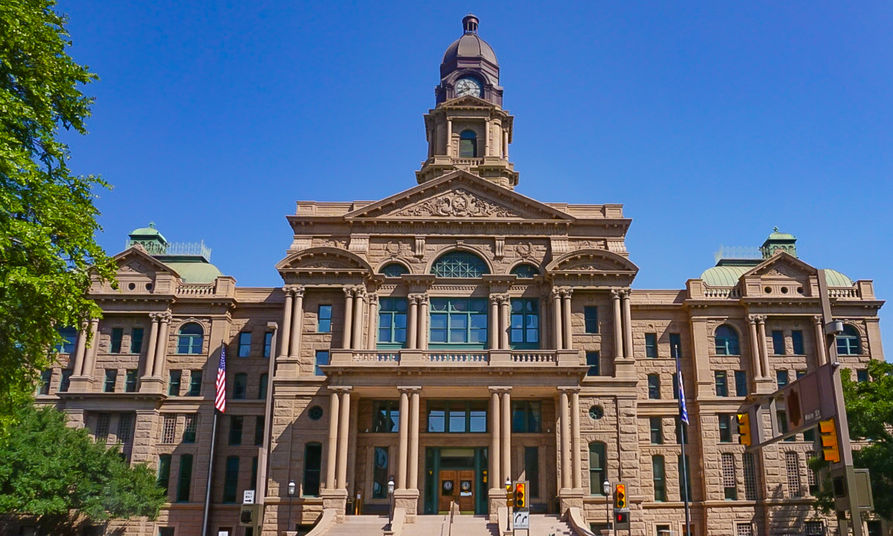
469 67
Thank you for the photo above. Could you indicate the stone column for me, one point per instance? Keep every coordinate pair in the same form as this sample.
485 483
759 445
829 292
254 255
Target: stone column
761 333
164 320
286 322
373 321
495 440
566 319
565 441
413 479
449 138
77 361
359 300
506 434
90 353
402 454
618 325
504 321
494 322
575 439
412 328
153 343
821 351
297 324
348 318
423 322
556 318
627 327
334 413
755 348
343 434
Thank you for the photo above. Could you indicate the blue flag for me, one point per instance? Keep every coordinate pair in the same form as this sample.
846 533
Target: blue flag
683 412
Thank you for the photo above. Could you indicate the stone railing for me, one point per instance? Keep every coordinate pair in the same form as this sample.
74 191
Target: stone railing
535 356
376 356
845 293
721 293
468 161
458 357
537 359
196 289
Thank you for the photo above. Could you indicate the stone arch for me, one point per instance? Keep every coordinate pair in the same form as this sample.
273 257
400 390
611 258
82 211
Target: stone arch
324 258
460 248
592 260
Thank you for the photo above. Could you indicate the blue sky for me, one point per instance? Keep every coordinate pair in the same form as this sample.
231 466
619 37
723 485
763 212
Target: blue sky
711 122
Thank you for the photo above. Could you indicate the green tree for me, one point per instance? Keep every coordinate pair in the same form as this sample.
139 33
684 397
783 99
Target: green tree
47 217
62 478
869 409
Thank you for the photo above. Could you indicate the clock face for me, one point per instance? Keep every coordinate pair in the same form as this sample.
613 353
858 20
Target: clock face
468 86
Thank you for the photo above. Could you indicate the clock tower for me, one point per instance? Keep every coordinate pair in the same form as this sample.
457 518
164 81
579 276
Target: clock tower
468 129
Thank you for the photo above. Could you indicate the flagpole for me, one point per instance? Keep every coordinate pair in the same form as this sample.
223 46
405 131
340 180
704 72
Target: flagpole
684 438
219 407
207 508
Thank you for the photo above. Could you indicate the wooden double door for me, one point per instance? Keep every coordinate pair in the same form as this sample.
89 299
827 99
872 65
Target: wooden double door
456 485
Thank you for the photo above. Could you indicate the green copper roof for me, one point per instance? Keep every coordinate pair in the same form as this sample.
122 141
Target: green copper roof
728 276
777 235
196 272
837 279
146 232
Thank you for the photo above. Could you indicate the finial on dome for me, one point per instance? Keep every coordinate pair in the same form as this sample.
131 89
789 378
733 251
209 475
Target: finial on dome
470 23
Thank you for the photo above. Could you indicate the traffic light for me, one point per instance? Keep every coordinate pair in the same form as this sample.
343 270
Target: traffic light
744 432
621 520
620 496
520 495
830 447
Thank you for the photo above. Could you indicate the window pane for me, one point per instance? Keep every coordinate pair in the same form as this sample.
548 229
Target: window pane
477 421
797 342
457 420
437 420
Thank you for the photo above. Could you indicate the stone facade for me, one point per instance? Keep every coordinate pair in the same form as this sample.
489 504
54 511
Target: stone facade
489 329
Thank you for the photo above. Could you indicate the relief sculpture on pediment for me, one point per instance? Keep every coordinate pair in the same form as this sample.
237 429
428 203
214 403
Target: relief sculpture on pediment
458 203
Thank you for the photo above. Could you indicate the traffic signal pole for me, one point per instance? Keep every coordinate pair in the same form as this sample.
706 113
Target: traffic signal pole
843 429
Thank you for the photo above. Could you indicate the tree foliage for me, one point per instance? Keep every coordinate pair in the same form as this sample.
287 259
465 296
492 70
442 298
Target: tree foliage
47 217
869 409
63 478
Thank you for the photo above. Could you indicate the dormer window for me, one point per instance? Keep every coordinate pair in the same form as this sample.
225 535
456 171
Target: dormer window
468 147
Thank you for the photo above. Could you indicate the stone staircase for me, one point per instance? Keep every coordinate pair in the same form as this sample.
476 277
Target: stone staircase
439 525
359 526
549 525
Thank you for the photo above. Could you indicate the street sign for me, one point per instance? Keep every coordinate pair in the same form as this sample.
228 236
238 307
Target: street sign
248 496
521 520
807 400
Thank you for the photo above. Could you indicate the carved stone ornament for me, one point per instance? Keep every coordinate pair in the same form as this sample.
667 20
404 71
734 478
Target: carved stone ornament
524 249
393 248
458 203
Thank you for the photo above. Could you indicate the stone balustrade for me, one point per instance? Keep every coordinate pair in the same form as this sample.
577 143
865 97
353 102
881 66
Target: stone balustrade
457 358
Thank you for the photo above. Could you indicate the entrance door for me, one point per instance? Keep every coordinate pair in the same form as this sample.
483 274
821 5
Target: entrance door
466 491
456 486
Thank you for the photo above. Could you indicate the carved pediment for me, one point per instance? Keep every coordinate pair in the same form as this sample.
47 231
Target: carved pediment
592 260
459 203
135 260
782 266
323 259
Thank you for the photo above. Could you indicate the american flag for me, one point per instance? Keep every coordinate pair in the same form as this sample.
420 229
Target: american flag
220 399
683 412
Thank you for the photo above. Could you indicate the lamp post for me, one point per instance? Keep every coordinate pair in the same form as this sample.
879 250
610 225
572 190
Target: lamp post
606 489
508 512
390 501
291 494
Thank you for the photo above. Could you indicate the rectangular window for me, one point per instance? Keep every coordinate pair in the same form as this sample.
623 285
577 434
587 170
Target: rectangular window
169 428
312 465
781 419
324 319
195 383
675 386
812 481
525 323
125 428
750 477
744 529
725 428
663 530
380 473
111 377
65 380
459 321
861 375
184 479
740 383
809 435
231 479
594 363
235 429
268 343
322 359
681 433
262 386
45 378
684 491
117 337
797 342
657 430
457 416
597 465
817 528
799 373
651 345
392 323
259 430
164 471
130 381
253 483
244 344
136 340
69 336
792 466
590 318
526 417
102 427
189 428
173 382
722 383
532 470
675 345
778 342
653 386
385 416
660 484
729 484
781 378
240 386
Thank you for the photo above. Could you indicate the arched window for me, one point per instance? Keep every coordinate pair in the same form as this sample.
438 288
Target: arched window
190 338
848 342
459 264
312 465
468 146
726 339
394 269
67 346
525 271
597 467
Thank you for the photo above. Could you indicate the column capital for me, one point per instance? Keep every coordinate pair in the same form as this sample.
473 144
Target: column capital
555 292
499 389
752 319
360 291
373 298
164 318
566 292
761 319
409 389
340 388
616 293
817 319
570 389
348 292
95 321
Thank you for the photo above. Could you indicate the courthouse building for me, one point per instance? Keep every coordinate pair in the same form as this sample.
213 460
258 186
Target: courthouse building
453 335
